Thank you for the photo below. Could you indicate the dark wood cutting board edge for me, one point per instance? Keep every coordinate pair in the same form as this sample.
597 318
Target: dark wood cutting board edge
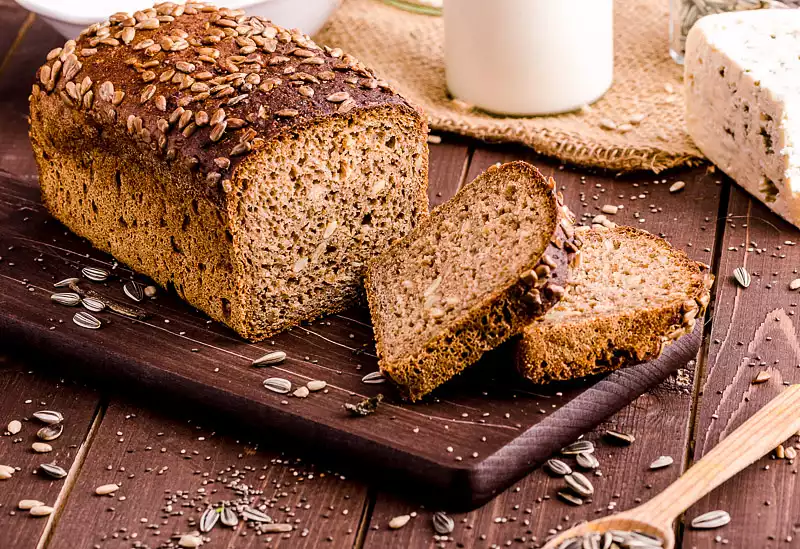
456 486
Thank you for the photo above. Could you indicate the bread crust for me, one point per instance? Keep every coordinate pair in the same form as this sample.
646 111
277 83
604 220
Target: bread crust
574 348
501 314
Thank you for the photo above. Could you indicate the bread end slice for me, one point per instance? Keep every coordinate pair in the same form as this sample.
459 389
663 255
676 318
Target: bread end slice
483 266
631 295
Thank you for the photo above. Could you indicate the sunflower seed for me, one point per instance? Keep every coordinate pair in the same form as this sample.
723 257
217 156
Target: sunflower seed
95 274
70 299
41 511
49 416
587 461
28 504
399 521
133 290
365 407
569 498
66 282
275 357
41 447
742 277
14 426
761 377
373 378
85 320
579 484
93 304
50 432
581 446
620 438
794 284
442 523
106 489
661 462
677 186
278 385
228 517
558 467
301 392
53 470
208 520
248 513
276 528
316 385
712 519
190 541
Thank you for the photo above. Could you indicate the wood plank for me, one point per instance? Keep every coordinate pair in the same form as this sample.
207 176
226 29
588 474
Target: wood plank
154 457
23 394
755 330
449 161
659 419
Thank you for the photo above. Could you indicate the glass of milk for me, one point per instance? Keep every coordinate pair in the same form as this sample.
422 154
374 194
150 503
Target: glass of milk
529 57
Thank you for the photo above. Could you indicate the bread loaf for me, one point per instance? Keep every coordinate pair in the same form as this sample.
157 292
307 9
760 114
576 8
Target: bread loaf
236 162
630 295
485 264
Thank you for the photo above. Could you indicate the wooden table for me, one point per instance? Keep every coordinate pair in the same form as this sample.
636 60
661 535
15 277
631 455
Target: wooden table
163 457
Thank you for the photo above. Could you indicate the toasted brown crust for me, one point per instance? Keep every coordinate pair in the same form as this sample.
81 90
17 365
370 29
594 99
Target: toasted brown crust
503 312
574 348
164 91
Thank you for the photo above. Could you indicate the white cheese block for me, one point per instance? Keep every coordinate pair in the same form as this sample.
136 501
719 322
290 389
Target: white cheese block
742 81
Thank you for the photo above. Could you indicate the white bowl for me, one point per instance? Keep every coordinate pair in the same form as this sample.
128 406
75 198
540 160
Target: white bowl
70 17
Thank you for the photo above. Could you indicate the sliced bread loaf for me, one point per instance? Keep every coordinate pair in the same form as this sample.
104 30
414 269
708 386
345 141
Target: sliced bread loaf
630 294
484 265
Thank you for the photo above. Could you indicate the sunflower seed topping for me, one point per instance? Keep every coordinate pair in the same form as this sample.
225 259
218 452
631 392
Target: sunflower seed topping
742 277
275 357
373 378
442 523
95 274
558 467
53 470
712 519
278 385
49 417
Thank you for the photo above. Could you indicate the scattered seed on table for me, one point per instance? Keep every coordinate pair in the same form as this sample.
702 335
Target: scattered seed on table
14 426
28 504
399 521
620 438
301 392
761 377
66 282
41 511
570 498
442 524
49 417
609 209
228 517
133 290
275 357
278 385
276 528
677 186
95 274
316 385
712 519
587 461
50 432
93 305
189 541
85 320
6 472
150 291
70 299
208 520
373 378
742 277
41 447
578 447
53 470
661 462
579 484
106 489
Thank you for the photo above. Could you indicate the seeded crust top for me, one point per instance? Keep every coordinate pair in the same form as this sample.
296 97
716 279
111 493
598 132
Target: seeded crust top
205 86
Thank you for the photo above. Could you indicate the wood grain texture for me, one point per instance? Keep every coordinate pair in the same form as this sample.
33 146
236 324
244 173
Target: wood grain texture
152 456
23 393
754 330
659 419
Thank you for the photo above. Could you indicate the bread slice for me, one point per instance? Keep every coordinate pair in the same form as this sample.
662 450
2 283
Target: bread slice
630 294
237 162
484 265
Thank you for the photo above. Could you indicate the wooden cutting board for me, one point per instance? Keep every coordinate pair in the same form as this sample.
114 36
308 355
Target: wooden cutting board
473 438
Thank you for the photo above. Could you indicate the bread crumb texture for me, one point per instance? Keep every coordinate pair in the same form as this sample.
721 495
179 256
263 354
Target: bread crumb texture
485 264
630 295
239 163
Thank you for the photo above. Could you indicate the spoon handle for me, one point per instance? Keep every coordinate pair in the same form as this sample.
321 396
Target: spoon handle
757 436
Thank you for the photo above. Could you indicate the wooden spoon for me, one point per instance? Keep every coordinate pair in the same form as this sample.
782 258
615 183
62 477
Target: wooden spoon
760 434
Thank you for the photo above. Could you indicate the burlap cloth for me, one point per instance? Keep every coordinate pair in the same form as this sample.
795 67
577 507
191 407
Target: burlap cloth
407 49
